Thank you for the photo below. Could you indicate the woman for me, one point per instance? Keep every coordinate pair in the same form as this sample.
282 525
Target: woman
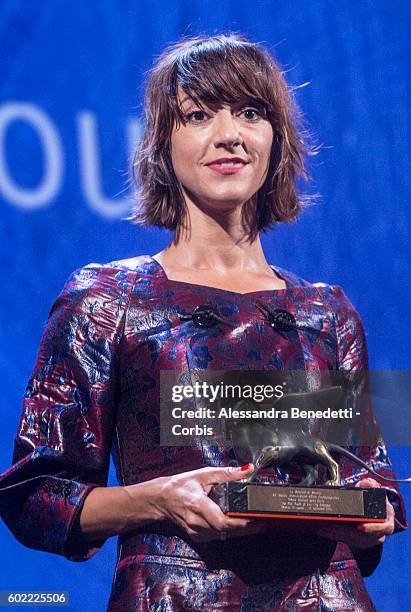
217 164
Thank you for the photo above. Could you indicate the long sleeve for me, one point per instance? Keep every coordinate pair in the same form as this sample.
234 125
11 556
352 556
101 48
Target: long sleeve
62 447
365 440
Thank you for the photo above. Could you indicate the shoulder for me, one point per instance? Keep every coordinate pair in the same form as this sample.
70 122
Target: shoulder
98 288
332 296
92 273
115 277
293 280
101 287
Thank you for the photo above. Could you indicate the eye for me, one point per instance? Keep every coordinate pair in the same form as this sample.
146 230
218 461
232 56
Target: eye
196 116
251 114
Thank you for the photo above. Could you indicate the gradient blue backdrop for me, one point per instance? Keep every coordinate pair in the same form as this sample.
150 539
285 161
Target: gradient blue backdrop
71 84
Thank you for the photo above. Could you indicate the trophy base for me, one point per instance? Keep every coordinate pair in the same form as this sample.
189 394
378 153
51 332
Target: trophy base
241 499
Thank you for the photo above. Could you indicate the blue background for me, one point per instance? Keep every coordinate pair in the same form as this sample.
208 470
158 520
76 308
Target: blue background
71 85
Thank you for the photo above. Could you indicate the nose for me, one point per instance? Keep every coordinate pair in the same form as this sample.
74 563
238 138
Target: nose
227 133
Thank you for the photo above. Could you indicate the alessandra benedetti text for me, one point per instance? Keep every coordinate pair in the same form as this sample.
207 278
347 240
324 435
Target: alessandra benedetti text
269 413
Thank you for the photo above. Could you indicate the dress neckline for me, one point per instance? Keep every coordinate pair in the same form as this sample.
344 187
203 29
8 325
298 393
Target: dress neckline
275 270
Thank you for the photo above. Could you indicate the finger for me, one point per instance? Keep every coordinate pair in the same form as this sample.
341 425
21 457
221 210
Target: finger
352 538
390 511
221 522
208 527
366 532
252 529
363 528
212 476
216 518
232 522
368 482
201 530
376 528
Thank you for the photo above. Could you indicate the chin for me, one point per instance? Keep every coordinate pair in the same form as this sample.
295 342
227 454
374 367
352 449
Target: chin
218 201
221 204
230 198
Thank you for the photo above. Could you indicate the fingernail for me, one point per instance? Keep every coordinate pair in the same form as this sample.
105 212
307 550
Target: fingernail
245 467
360 527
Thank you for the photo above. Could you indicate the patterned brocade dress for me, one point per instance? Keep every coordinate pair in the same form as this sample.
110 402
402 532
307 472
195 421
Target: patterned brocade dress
95 390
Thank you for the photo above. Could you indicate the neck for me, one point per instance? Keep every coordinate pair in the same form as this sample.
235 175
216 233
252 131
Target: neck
215 241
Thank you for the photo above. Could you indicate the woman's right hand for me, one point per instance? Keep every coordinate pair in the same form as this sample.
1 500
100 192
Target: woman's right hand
183 498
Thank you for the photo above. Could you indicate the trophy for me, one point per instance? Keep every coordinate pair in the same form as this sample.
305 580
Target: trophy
294 447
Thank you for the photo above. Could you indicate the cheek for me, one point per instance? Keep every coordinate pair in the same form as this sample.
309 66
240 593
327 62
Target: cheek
182 153
176 151
262 144
263 147
267 143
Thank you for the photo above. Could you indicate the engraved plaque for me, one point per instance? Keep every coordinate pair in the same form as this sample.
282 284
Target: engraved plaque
300 500
319 502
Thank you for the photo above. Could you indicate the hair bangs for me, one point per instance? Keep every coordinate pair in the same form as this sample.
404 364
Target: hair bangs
218 71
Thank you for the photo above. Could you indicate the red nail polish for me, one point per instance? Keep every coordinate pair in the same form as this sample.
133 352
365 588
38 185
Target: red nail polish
244 468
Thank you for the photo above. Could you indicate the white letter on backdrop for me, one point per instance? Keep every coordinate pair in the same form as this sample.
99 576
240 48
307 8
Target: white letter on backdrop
90 166
43 194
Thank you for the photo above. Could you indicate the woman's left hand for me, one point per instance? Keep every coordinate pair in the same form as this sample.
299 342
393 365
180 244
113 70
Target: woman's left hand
361 535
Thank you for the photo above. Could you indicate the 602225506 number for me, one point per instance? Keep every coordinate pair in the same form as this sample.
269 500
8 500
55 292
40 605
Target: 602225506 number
35 598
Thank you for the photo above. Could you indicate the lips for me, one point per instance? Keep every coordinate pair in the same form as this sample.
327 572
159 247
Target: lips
227 165
227 161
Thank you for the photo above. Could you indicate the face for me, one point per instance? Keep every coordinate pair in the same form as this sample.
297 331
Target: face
221 154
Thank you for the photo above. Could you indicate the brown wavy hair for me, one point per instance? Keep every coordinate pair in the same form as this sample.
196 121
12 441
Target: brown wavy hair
225 68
